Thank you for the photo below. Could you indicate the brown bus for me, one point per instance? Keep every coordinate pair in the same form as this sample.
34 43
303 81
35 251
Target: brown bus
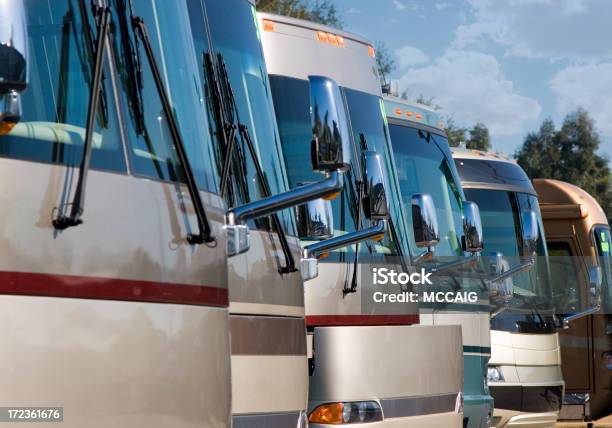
577 227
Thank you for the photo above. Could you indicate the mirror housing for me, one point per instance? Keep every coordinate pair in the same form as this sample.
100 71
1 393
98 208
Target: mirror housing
315 220
529 223
13 62
425 221
331 137
376 205
472 240
502 290
330 146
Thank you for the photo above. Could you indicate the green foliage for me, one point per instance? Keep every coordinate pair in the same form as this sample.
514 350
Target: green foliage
479 137
569 154
384 61
455 134
321 11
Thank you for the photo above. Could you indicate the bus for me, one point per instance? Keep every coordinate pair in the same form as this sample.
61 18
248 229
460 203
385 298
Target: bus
366 364
118 306
424 165
524 372
578 241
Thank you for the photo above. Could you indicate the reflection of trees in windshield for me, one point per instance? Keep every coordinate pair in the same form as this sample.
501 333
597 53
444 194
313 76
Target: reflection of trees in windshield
502 231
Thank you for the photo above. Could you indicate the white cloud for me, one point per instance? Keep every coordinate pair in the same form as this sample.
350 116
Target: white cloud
587 86
352 11
399 5
472 87
441 6
409 56
553 29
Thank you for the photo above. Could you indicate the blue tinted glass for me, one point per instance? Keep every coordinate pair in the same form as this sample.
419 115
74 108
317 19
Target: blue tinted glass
236 42
368 124
55 103
424 165
292 107
152 151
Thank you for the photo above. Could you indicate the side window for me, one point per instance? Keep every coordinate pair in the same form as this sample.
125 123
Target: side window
54 105
565 277
152 151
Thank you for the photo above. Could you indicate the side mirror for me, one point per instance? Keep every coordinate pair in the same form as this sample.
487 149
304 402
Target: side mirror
424 221
595 281
376 205
331 138
315 220
500 291
13 61
472 228
529 221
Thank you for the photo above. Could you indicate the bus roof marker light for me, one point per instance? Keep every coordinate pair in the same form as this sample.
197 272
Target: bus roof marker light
341 41
268 25
371 51
332 39
398 111
322 36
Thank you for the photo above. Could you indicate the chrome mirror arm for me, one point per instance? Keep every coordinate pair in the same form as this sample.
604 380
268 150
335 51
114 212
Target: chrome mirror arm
312 252
236 218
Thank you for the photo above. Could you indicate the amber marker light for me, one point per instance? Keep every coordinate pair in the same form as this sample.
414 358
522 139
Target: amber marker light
6 127
268 25
371 51
322 36
331 197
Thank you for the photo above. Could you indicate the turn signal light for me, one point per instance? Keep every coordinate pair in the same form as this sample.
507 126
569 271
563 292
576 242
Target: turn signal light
6 127
346 413
331 197
268 25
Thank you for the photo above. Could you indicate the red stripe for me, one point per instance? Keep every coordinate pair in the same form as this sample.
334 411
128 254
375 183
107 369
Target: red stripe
87 287
337 320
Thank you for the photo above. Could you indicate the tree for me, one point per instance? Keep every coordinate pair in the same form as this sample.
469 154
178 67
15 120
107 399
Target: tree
569 154
384 61
479 137
421 99
321 11
455 134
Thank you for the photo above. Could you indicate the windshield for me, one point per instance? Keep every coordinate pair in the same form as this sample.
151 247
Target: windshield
292 107
55 103
368 124
424 165
500 212
235 36
604 240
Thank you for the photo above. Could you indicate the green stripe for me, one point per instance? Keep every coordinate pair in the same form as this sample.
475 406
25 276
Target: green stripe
477 349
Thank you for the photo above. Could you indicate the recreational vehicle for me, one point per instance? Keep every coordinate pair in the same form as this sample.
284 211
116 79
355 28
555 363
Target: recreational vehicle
365 365
578 241
424 165
524 372
115 305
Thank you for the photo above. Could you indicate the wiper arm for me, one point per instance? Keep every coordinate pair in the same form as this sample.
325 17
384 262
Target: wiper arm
63 221
222 90
204 231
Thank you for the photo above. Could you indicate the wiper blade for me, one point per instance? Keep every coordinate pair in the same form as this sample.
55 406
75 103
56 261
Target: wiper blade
204 231
227 133
62 220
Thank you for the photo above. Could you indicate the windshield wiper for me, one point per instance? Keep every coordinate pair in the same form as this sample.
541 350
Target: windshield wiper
357 207
228 132
204 231
61 220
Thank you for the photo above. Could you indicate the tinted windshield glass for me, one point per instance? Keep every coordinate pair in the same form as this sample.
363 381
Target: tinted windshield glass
151 147
292 107
54 105
500 212
489 171
424 165
369 127
604 241
235 36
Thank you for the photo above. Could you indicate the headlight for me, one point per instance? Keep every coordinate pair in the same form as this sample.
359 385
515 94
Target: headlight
346 413
494 374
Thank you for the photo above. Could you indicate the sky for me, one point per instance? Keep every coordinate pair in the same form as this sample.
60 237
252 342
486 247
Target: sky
508 63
